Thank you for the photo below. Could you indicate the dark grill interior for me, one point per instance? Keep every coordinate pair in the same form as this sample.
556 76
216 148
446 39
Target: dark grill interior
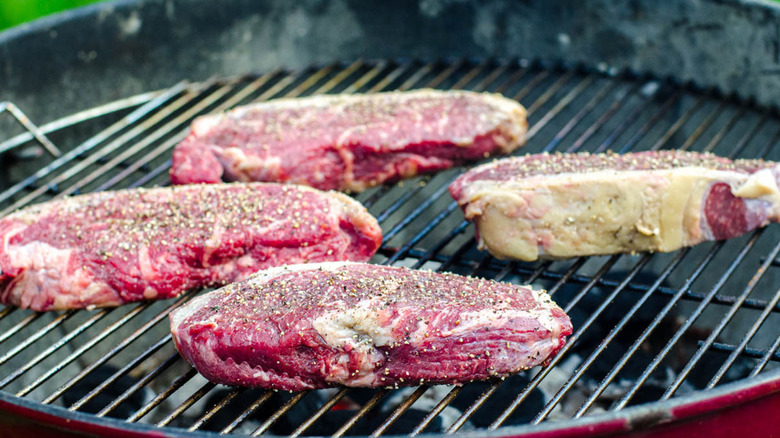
647 327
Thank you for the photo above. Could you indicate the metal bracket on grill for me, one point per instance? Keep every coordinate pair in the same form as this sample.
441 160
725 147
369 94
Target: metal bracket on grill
31 127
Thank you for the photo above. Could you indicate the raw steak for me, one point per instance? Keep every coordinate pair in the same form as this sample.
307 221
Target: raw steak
348 142
354 324
566 205
109 248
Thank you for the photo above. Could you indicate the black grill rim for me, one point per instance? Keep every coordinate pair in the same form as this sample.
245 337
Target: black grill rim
701 404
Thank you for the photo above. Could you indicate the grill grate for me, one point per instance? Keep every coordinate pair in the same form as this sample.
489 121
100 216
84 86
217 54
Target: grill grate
707 314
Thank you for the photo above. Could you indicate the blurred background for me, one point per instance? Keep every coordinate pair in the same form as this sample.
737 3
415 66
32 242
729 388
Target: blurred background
13 12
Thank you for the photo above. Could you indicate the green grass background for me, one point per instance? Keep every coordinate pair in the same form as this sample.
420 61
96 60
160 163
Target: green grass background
13 12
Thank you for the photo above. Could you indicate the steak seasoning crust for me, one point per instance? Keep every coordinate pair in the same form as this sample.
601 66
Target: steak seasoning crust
109 248
348 142
567 205
354 324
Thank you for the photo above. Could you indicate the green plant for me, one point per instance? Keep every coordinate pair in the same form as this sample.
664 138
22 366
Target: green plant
13 12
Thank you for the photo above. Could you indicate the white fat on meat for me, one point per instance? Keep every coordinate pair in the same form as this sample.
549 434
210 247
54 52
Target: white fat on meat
564 215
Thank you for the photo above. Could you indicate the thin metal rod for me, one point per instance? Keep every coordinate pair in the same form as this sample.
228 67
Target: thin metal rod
278 413
92 142
624 124
649 329
771 353
216 408
378 396
551 91
20 325
724 129
80 350
620 99
620 404
80 117
116 349
173 387
197 395
22 118
114 377
703 126
37 335
597 98
400 410
247 412
52 348
585 365
571 341
745 139
678 124
743 344
721 325
565 101
443 403
110 147
320 412
640 133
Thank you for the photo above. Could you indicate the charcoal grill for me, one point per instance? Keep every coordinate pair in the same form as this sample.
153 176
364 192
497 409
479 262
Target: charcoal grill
679 344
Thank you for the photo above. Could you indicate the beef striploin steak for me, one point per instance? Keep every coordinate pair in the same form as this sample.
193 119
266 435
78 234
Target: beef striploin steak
109 248
348 142
566 205
354 324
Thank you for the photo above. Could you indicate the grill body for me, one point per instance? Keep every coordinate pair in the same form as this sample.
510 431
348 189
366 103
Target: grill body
716 303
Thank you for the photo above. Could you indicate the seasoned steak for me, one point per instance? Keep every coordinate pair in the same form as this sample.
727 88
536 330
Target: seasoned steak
348 142
355 324
566 205
109 248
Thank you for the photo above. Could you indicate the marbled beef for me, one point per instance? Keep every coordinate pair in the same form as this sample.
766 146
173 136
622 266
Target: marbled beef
355 324
109 248
348 142
566 205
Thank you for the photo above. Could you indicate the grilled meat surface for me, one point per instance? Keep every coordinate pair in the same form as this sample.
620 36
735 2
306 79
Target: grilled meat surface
110 248
361 325
567 205
348 142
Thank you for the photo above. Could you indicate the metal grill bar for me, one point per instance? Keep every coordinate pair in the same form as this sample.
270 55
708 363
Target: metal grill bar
247 412
319 412
682 120
608 114
648 330
78 352
742 345
119 347
30 127
83 116
279 412
719 328
685 326
714 114
39 334
173 387
54 347
211 412
577 118
400 410
651 122
371 404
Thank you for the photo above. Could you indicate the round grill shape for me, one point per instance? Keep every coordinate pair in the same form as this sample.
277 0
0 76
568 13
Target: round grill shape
665 331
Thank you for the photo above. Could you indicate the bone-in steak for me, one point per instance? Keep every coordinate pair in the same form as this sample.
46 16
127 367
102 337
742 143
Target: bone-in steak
566 205
355 324
109 248
348 142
